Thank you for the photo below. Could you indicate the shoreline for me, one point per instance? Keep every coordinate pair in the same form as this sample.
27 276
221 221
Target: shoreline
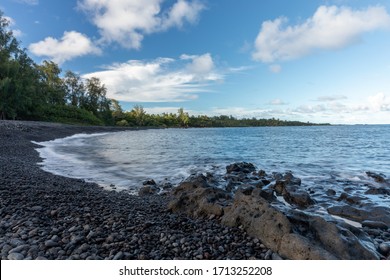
45 216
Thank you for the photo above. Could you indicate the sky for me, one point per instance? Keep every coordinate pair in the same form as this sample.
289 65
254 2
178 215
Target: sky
324 61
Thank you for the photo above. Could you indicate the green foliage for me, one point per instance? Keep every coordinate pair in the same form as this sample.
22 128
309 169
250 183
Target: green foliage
182 119
122 123
38 92
69 114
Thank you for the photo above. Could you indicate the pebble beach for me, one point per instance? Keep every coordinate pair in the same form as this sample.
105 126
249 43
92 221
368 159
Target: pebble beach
44 216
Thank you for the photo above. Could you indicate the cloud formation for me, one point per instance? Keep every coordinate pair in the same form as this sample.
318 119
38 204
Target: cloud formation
28 2
72 44
328 29
127 21
159 80
16 32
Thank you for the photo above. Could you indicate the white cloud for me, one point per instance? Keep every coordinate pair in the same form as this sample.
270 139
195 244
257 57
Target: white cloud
275 68
328 98
277 102
159 80
28 2
128 21
16 32
379 102
201 65
72 44
328 29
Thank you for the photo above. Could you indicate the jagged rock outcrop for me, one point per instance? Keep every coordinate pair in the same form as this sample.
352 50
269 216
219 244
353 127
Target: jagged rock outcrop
196 197
291 233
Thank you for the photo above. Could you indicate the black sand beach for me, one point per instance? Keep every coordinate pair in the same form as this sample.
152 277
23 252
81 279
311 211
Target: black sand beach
44 216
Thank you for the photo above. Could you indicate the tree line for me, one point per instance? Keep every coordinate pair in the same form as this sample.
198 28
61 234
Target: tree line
139 117
29 91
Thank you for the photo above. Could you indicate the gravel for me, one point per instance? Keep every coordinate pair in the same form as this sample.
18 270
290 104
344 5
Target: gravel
44 216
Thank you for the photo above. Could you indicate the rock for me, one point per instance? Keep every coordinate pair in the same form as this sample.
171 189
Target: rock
15 256
378 191
240 167
331 192
19 249
384 248
50 243
378 213
149 182
291 180
275 256
378 178
292 194
196 198
118 255
36 208
148 190
375 224
297 197
296 235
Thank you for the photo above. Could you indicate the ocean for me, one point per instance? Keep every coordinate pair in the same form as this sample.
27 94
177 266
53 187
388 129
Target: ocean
330 156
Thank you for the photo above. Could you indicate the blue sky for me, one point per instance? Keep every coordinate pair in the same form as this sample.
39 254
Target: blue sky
317 61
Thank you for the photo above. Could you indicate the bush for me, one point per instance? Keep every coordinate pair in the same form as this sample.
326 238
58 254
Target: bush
122 123
70 115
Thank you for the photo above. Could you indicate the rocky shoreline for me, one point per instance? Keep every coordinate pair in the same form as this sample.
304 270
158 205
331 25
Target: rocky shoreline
44 216
253 216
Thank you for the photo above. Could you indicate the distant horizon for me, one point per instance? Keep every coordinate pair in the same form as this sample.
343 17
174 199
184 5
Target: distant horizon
321 61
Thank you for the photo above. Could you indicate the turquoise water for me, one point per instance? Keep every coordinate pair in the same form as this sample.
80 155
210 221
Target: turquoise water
325 154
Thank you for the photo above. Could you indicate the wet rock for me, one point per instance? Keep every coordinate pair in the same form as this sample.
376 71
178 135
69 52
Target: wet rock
378 191
298 197
297 235
291 180
148 190
375 224
293 194
331 192
198 199
241 167
384 248
149 182
380 214
379 178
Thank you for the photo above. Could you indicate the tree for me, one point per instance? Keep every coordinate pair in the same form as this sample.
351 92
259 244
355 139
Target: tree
139 114
74 88
183 118
19 79
54 85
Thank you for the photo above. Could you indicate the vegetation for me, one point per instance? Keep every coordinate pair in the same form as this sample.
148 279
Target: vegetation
138 117
38 92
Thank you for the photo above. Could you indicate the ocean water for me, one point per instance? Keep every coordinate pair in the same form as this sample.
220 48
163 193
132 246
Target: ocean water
326 155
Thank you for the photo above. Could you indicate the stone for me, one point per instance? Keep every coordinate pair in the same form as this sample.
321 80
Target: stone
20 248
36 208
384 248
50 243
296 235
149 182
148 190
378 213
241 167
197 198
375 224
377 177
15 256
